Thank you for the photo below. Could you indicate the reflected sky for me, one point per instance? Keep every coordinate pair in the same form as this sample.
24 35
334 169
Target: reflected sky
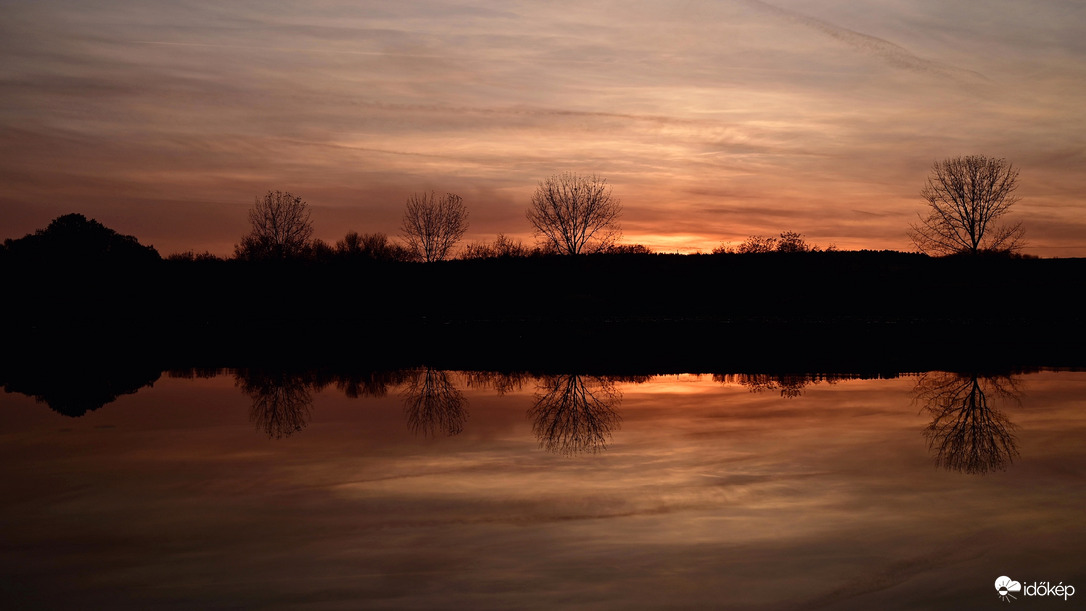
711 493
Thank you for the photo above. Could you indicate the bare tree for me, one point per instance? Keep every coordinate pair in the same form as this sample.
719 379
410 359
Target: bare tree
434 225
370 246
575 214
351 245
575 414
434 405
503 247
792 241
281 401
789 241
967 196
968 432
281 228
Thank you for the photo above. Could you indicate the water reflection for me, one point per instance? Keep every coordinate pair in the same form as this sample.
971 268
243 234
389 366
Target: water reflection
575 414
357 384
281 401
825 501
790 385
968 432
433 404
501 382
570 414
73 389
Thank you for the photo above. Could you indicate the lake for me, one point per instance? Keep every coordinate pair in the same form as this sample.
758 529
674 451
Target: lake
424 489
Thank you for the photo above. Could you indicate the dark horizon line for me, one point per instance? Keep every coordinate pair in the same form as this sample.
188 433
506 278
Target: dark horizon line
320 251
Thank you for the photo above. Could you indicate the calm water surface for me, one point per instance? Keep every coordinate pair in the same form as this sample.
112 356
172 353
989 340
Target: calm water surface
422 490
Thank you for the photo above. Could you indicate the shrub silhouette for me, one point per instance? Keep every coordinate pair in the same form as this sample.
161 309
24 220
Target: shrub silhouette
72 239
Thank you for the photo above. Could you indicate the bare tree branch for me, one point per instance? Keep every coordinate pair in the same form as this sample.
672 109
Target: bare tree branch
575 414
281 228
433 404
967 432
433 226
575 214
967 196
281 402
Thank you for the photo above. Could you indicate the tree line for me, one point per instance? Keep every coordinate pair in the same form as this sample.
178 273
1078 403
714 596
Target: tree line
575 214
570 214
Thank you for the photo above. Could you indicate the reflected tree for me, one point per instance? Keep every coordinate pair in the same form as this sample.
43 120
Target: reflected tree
433 404
501 382
281 401
790 385
73 389
369 383
575 414
968 433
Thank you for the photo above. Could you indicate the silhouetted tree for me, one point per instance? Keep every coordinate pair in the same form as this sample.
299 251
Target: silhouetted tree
432 225
281 228
371 246
350 245
575 414
502 247
790 241
967 197
433 404
757 243
191 256
319 251
575 214
281 401
628 249
72 239
968 433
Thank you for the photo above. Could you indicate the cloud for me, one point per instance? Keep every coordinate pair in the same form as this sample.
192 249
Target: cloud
893 54
688 109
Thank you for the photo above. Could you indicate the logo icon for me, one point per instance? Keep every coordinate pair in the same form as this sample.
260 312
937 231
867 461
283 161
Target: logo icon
1004 586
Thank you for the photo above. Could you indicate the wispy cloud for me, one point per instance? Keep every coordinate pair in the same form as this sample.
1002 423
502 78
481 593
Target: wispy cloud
689 109
893 54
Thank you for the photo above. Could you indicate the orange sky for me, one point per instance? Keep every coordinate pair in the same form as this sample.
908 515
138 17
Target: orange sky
713 120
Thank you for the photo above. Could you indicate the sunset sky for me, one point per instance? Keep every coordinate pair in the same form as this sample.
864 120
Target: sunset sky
713 120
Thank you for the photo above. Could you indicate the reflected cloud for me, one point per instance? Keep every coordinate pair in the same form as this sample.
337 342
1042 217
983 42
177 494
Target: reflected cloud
968 433
575 414
281 401
433 404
